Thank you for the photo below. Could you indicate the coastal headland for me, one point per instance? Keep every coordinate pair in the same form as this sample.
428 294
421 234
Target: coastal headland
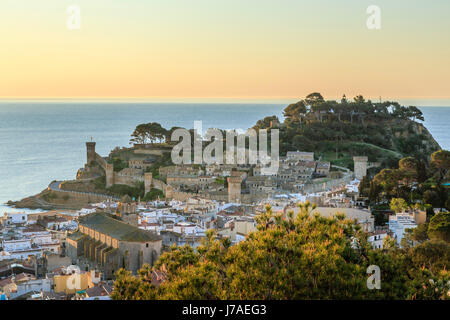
330 134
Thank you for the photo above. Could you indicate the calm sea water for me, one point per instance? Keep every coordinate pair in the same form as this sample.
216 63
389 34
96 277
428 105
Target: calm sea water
40 142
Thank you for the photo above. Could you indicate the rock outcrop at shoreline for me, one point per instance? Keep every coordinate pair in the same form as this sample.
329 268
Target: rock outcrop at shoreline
48 200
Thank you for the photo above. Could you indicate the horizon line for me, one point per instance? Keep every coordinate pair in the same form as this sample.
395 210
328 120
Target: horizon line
422 102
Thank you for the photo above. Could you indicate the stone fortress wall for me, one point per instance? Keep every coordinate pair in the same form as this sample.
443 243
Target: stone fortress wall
126 176
112 177
328 185
78 195
234 194
156 152
171 193
361 165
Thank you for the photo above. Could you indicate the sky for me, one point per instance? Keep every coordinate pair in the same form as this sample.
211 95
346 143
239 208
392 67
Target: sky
210 50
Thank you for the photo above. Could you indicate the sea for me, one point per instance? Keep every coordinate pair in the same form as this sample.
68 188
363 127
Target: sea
45 141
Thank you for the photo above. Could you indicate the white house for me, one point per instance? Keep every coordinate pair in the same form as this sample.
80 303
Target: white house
376 238
10 218
187 228
85 211
150 226
399 223
19 249
41 238
16 245
59 223
239 237
46 243
197 203
36 285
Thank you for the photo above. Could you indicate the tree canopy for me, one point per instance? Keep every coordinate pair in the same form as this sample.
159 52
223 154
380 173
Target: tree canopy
414 182
289 257
149 132
384 131
439 227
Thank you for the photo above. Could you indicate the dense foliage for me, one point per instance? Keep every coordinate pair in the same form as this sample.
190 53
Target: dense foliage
151 132
153 194
119 164
339 130
439 227
122 190
415 183
148 132
336 130
302 257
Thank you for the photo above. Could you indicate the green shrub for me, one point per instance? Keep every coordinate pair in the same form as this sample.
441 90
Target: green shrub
439 227
122 189
50 196
100 183
119 164
153 194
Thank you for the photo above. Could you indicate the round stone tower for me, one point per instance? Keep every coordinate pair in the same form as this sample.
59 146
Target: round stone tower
90 150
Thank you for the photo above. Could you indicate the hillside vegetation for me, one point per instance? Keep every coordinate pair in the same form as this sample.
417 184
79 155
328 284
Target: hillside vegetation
338 130
292 257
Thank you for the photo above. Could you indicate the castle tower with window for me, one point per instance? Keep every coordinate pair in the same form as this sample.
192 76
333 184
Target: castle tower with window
90 150
234 189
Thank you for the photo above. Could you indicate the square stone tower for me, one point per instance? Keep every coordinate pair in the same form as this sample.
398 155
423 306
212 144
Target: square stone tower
234 189
360 167
148 181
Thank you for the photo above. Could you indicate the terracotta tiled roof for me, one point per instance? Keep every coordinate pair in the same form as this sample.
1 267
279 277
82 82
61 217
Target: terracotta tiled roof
34 228
5 282
23 277
99 290
117 229
158 277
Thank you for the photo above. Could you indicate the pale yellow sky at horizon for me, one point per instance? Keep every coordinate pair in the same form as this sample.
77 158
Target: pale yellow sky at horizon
217 50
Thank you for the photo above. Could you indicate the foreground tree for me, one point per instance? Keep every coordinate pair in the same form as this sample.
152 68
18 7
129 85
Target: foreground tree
414 182
295 111
440 160
303 256
439 227
398 205
434 255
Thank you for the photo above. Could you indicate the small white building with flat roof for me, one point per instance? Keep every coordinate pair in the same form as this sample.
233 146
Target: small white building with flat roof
299 155
399 222
363 217
11 218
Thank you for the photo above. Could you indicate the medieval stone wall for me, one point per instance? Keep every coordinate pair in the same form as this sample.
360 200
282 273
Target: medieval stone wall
84 196
218 196
150 152
111 254
160 185
138 254
328 185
